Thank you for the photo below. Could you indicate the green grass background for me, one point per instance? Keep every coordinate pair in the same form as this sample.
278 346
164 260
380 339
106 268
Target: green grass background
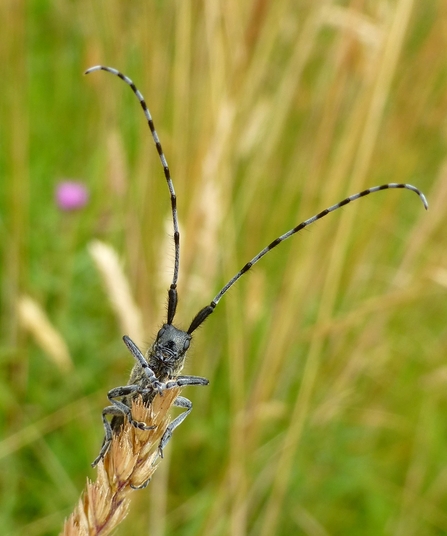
326 411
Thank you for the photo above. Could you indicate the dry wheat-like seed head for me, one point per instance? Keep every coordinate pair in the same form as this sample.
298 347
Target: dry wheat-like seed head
130 462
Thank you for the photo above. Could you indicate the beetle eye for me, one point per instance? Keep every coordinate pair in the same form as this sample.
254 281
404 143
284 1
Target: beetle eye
160 333
186 345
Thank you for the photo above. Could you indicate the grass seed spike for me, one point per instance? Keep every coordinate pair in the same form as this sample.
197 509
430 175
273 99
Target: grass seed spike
160 369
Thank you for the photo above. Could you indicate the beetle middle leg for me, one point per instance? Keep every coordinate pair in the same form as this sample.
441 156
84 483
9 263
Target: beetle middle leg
118 409
180 402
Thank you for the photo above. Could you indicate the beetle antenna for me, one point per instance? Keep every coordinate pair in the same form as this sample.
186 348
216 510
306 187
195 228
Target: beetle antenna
203 314
172 292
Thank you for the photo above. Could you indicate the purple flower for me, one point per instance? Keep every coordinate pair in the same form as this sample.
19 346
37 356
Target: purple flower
71 195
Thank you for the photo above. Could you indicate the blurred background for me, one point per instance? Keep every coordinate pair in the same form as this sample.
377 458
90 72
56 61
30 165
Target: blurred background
326 411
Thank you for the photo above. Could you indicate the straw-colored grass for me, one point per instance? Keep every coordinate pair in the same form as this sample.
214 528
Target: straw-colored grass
325 412
127 467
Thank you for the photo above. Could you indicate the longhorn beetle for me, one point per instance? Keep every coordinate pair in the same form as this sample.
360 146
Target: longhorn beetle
160 369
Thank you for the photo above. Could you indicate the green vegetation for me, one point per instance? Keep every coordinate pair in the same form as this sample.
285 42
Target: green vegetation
327 406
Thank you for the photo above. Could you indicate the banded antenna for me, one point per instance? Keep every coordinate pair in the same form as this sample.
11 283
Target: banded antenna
203 314
172 292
